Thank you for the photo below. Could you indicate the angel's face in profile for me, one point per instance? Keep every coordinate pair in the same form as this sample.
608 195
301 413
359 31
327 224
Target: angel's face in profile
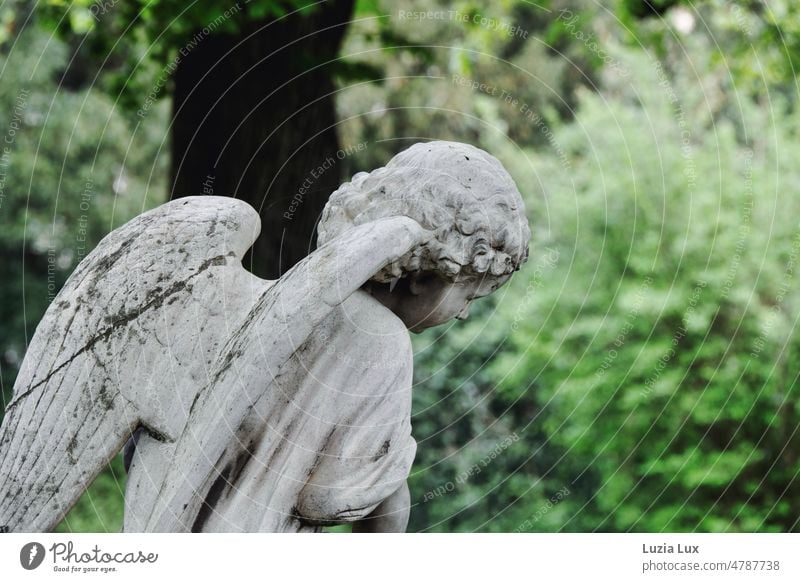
469 205
427 299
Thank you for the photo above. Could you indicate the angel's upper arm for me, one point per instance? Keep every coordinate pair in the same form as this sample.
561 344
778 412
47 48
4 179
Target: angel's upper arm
369 455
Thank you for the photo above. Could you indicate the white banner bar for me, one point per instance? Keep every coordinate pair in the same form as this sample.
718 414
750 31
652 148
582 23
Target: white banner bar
351 557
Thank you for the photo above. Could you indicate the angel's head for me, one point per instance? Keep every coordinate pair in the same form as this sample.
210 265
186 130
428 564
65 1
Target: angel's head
471 206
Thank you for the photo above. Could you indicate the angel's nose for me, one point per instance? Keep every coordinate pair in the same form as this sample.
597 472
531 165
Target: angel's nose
464 313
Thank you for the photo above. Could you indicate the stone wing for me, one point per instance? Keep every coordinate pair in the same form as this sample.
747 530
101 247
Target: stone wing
161 327
123 344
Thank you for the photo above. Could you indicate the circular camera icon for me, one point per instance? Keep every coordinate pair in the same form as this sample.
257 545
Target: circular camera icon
31 555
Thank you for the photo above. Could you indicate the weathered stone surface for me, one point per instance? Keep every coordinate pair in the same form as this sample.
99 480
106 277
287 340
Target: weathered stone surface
161 322
261 405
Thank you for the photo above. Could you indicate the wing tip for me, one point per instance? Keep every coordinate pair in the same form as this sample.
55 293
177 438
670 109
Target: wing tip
240 220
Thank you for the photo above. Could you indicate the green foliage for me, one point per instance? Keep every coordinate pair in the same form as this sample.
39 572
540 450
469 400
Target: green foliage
129 46
101 508
647 8
74 170
495 45
164 23
651 369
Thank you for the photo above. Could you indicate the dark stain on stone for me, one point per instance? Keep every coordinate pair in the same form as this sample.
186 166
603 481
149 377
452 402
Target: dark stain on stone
123 318
227 362
247 454
105 399
73 442
209 503
383 450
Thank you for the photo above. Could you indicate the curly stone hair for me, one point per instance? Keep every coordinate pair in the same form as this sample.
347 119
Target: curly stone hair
457 191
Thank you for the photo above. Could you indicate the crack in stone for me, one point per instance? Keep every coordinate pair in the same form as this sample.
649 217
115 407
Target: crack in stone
122 320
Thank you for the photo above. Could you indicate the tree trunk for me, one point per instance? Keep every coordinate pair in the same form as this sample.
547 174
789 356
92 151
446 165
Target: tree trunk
254 118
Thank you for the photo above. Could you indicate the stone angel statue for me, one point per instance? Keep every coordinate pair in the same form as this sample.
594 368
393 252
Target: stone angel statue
253 405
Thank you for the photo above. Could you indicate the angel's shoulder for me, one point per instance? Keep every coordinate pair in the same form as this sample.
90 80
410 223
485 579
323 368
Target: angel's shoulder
363 317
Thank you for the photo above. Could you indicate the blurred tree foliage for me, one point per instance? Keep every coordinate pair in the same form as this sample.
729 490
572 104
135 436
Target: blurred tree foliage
72 169
639 373
645 356
251 86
